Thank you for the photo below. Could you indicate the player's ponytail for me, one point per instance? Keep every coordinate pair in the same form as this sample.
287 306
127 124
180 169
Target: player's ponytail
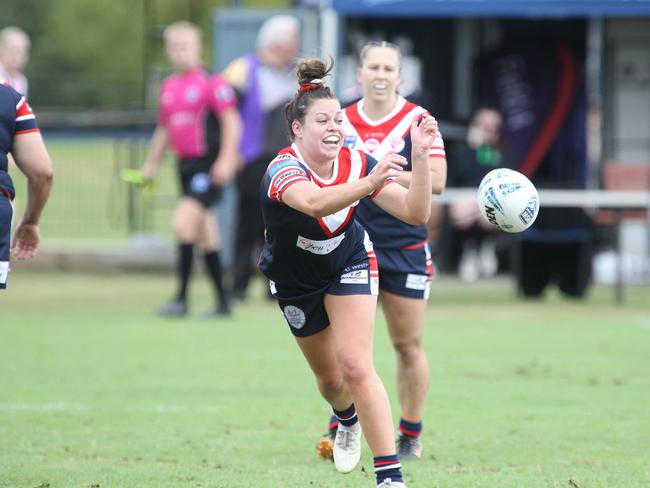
311 73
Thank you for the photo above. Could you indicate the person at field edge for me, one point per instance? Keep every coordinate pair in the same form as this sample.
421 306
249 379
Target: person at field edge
264 81
321 264
475 236
379 124
20 137
198 118
14 54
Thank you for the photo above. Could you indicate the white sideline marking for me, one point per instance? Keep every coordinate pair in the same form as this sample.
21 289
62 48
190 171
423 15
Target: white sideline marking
75 407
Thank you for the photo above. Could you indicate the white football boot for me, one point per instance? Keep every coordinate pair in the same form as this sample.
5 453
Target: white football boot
347 447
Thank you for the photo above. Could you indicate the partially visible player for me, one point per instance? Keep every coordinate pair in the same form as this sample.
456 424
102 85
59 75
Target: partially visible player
321 263
380 124
198 118
14 54
20 136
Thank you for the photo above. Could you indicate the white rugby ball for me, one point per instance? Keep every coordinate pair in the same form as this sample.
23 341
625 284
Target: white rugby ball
508 200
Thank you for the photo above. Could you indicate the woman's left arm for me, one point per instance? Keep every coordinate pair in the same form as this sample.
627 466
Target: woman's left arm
413 206
438 171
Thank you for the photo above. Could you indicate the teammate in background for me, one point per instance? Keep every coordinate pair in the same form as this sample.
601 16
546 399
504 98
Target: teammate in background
481 154
264 81
198 118
14 54
380 124
19 135
321 263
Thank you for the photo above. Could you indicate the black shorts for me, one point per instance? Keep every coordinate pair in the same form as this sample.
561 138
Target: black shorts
194 176
306 314
406 272
6 214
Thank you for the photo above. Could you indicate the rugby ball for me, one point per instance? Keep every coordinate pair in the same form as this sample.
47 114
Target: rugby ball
508 200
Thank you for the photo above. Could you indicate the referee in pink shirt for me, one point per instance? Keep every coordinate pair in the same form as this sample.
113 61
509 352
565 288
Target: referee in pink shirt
199 121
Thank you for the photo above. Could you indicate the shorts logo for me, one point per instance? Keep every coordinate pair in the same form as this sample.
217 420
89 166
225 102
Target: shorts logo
4 270
416 282
200 183
319 247
294 316
359 277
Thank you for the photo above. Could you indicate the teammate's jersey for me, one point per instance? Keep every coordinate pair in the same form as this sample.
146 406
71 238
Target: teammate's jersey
378 138
16 117
189 104
302 252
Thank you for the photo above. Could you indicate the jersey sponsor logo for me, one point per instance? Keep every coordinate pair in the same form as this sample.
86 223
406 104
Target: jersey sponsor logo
358 277
350 141
371 145
282 177
319 247
281 181
295 316
224 93
416 282
282 161
181 118
200 183
397 144
192 94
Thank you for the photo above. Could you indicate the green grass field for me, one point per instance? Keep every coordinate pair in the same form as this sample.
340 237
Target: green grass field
89 204
96 391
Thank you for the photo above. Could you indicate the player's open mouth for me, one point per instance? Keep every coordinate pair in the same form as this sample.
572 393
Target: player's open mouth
332 140
380 86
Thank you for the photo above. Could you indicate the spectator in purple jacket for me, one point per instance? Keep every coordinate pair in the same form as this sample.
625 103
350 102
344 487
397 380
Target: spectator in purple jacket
264 81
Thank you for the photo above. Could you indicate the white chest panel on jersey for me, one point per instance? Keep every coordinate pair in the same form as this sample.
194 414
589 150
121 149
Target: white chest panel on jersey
333 223
390 142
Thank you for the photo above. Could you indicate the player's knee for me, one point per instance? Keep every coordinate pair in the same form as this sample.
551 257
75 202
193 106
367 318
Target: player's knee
184 234
330 384
408 351
355 369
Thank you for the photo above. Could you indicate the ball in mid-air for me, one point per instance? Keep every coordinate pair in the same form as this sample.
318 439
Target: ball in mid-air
508 200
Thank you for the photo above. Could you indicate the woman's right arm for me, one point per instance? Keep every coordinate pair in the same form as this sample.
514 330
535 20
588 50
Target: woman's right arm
159 142
310 199
32 159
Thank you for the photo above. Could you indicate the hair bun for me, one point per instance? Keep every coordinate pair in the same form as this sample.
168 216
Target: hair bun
315 83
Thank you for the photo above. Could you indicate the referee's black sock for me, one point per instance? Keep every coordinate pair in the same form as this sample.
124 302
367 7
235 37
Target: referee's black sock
184 269
213 265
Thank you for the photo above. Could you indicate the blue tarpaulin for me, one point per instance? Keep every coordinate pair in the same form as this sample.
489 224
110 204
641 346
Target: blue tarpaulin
493 8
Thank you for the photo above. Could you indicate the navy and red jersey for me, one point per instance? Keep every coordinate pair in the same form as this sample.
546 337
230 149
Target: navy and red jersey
16 117
301 252
391 134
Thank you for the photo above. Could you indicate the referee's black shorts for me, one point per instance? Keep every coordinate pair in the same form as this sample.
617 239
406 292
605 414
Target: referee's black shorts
195 181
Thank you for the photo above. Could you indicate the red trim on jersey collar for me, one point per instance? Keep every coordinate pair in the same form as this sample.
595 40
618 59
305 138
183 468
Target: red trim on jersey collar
363 127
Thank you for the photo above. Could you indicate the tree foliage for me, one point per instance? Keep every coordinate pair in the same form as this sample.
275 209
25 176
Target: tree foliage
96 54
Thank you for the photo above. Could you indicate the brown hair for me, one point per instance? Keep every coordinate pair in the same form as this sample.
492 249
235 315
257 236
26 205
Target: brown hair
369 45
311 73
